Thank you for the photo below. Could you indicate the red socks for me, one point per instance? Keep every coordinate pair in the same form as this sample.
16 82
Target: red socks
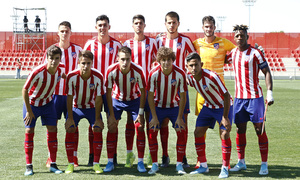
52 145
181 145
76 139
153 146
200 148
140 141
263 146
28 147
226 151
97 145
111 141
129 135
164 135
69 144
241 145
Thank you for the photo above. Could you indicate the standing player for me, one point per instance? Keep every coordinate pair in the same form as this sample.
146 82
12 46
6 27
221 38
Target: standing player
181 46
85 89
212 50
37 94
125 86
217 107
144 51
105 49
165 80
249 101
69 58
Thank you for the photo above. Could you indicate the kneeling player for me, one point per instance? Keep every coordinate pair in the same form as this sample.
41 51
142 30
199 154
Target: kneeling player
85 89
164 81
125 83
217 107
37 94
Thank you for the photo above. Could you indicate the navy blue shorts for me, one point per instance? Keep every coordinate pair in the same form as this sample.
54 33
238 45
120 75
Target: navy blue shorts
170 113
187 104
208 117
131 107
105 103
47 113
60 103
89 114
248 110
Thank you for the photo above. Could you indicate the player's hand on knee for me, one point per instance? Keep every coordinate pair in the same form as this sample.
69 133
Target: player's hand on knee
154 123
226 123
180 123
98 124
69 124
28 118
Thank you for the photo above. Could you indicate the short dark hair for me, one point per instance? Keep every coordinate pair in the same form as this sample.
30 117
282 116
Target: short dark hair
65 23
53 50
102 17
138 16
124 49
208 18
172 14
86 54
165 53
191 56
240 27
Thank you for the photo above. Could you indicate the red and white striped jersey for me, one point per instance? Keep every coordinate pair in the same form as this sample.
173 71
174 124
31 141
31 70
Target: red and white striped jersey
181 46
126 87
166 87
246 68
69 58
84 92
104 54
143 52
41 84
211 88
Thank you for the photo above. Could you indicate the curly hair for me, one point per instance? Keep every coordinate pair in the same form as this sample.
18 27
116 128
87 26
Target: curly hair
165 53
240 27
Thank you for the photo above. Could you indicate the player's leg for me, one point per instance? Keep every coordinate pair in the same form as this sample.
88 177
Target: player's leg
129 137
226 142
164 136
186 112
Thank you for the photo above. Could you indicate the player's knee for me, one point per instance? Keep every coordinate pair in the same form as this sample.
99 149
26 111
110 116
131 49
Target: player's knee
52 128
97 129
29 130
71 130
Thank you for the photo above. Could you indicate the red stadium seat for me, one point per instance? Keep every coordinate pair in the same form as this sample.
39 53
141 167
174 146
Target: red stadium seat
267 55
25 64
281 64
2 68
297 52
36 63
30 64
269 60
298 64
293 52
7 68
29 68
297 60
271 64
279 60
13 68
1 59
276 64
27 59
4 63
274 60
31 59
283 69
278 69
0 63
9 63
23 69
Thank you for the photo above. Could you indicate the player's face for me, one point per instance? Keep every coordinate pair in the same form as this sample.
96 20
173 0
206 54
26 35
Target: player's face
194 67
54 61
240 38
172 24
102 27
138 26
209 28
64 33
85 65
124 61
166 64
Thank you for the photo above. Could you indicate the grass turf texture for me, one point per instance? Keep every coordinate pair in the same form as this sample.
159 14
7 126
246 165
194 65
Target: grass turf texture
282 128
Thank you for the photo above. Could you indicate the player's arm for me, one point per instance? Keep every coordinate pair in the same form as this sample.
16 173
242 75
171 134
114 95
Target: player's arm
269 85
225 120
70 121
29 114
140 117
111 121
182 102
98 120
154 121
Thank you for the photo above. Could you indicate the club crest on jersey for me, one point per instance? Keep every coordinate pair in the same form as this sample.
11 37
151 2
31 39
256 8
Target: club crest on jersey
179 45
147 47
216 46
92 86
111 50
205 87
58 78
173 82
132 80
74 55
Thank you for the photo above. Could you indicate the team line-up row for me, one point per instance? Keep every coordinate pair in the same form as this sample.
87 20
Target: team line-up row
146 77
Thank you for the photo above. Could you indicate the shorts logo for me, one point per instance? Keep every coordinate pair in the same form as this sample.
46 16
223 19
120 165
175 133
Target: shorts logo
173 82
216 46
205 87
74 55
147 47
132 80
111 50
179 45
92 86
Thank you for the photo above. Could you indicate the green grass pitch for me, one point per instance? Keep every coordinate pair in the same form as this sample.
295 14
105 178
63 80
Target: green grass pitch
282 128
